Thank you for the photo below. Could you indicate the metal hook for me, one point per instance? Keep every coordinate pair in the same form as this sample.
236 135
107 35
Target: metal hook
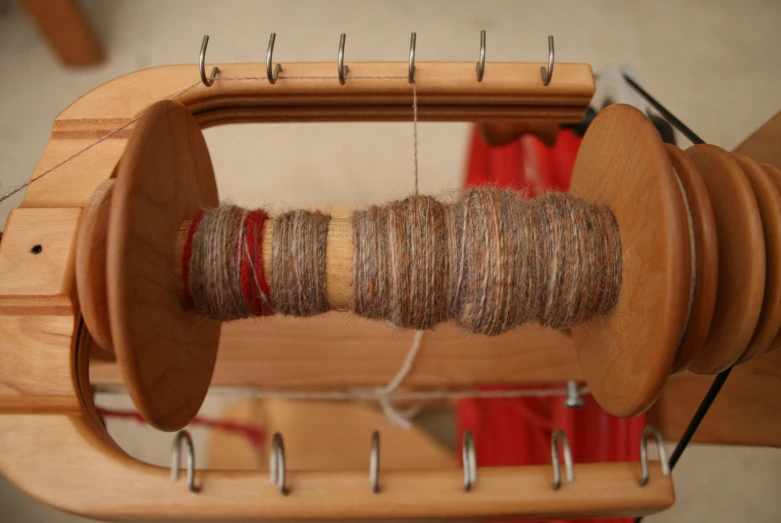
340 60
175 450
202 64
470 461
569 469
480 68
547 74
272 77
650 430
374 462
277 469
412 40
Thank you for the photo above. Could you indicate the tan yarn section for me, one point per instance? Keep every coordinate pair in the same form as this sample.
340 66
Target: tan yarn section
298 282
491 261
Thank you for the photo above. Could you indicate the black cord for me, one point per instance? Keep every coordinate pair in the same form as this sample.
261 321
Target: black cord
670 117
707 401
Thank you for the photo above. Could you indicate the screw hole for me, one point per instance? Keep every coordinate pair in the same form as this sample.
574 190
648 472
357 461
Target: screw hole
37 249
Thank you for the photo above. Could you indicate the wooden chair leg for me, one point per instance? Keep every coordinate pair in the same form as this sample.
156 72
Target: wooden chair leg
67 31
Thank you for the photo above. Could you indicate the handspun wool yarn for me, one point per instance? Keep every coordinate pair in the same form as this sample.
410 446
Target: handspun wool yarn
490 261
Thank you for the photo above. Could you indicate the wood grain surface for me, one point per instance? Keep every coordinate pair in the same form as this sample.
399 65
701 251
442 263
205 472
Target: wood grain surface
769 202
166 353
95 479
706 259
91 262
741 285
628 354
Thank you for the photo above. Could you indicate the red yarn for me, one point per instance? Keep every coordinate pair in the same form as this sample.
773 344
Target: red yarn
188 248
253 229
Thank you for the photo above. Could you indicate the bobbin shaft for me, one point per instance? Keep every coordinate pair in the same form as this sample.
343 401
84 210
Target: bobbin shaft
490 261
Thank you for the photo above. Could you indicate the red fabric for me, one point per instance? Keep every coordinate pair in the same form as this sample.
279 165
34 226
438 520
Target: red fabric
188 249
517 431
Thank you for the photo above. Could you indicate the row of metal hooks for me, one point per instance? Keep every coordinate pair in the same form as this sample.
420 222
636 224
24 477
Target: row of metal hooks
278 470
272 72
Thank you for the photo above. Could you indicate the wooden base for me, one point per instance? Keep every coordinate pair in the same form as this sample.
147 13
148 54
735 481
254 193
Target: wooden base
95 479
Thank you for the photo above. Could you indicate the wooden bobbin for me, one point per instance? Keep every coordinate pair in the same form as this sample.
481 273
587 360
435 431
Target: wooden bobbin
706 259
166 353
91 264
774 173
769 202
627 355
741 279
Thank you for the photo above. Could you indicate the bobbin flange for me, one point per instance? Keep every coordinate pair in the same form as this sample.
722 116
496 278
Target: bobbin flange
627 355
706 259
166 353
741 277
769 203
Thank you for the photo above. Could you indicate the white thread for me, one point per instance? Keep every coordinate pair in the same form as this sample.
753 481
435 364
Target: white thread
373 395
398 418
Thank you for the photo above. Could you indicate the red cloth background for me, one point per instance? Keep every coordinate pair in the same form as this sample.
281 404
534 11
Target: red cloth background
517 431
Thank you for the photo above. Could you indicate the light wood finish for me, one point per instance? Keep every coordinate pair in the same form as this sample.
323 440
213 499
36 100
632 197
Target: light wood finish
769 202
96 480
764 145
446 92
775 176
339 351
706 256
91 267
497 134
746 411
741 284
166 353
67 31
628 354
44 368
39 283
324 436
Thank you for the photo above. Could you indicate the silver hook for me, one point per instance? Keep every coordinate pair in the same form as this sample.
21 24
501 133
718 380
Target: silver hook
374 462
412 40
569 469
202 64
547 74
340 60
175 449
277 469
469 458
272 77
481 62
650 430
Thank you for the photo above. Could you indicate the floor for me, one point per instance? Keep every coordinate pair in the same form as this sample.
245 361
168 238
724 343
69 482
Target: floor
715 64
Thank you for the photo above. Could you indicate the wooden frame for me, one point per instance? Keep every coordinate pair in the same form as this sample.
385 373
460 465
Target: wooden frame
45 403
